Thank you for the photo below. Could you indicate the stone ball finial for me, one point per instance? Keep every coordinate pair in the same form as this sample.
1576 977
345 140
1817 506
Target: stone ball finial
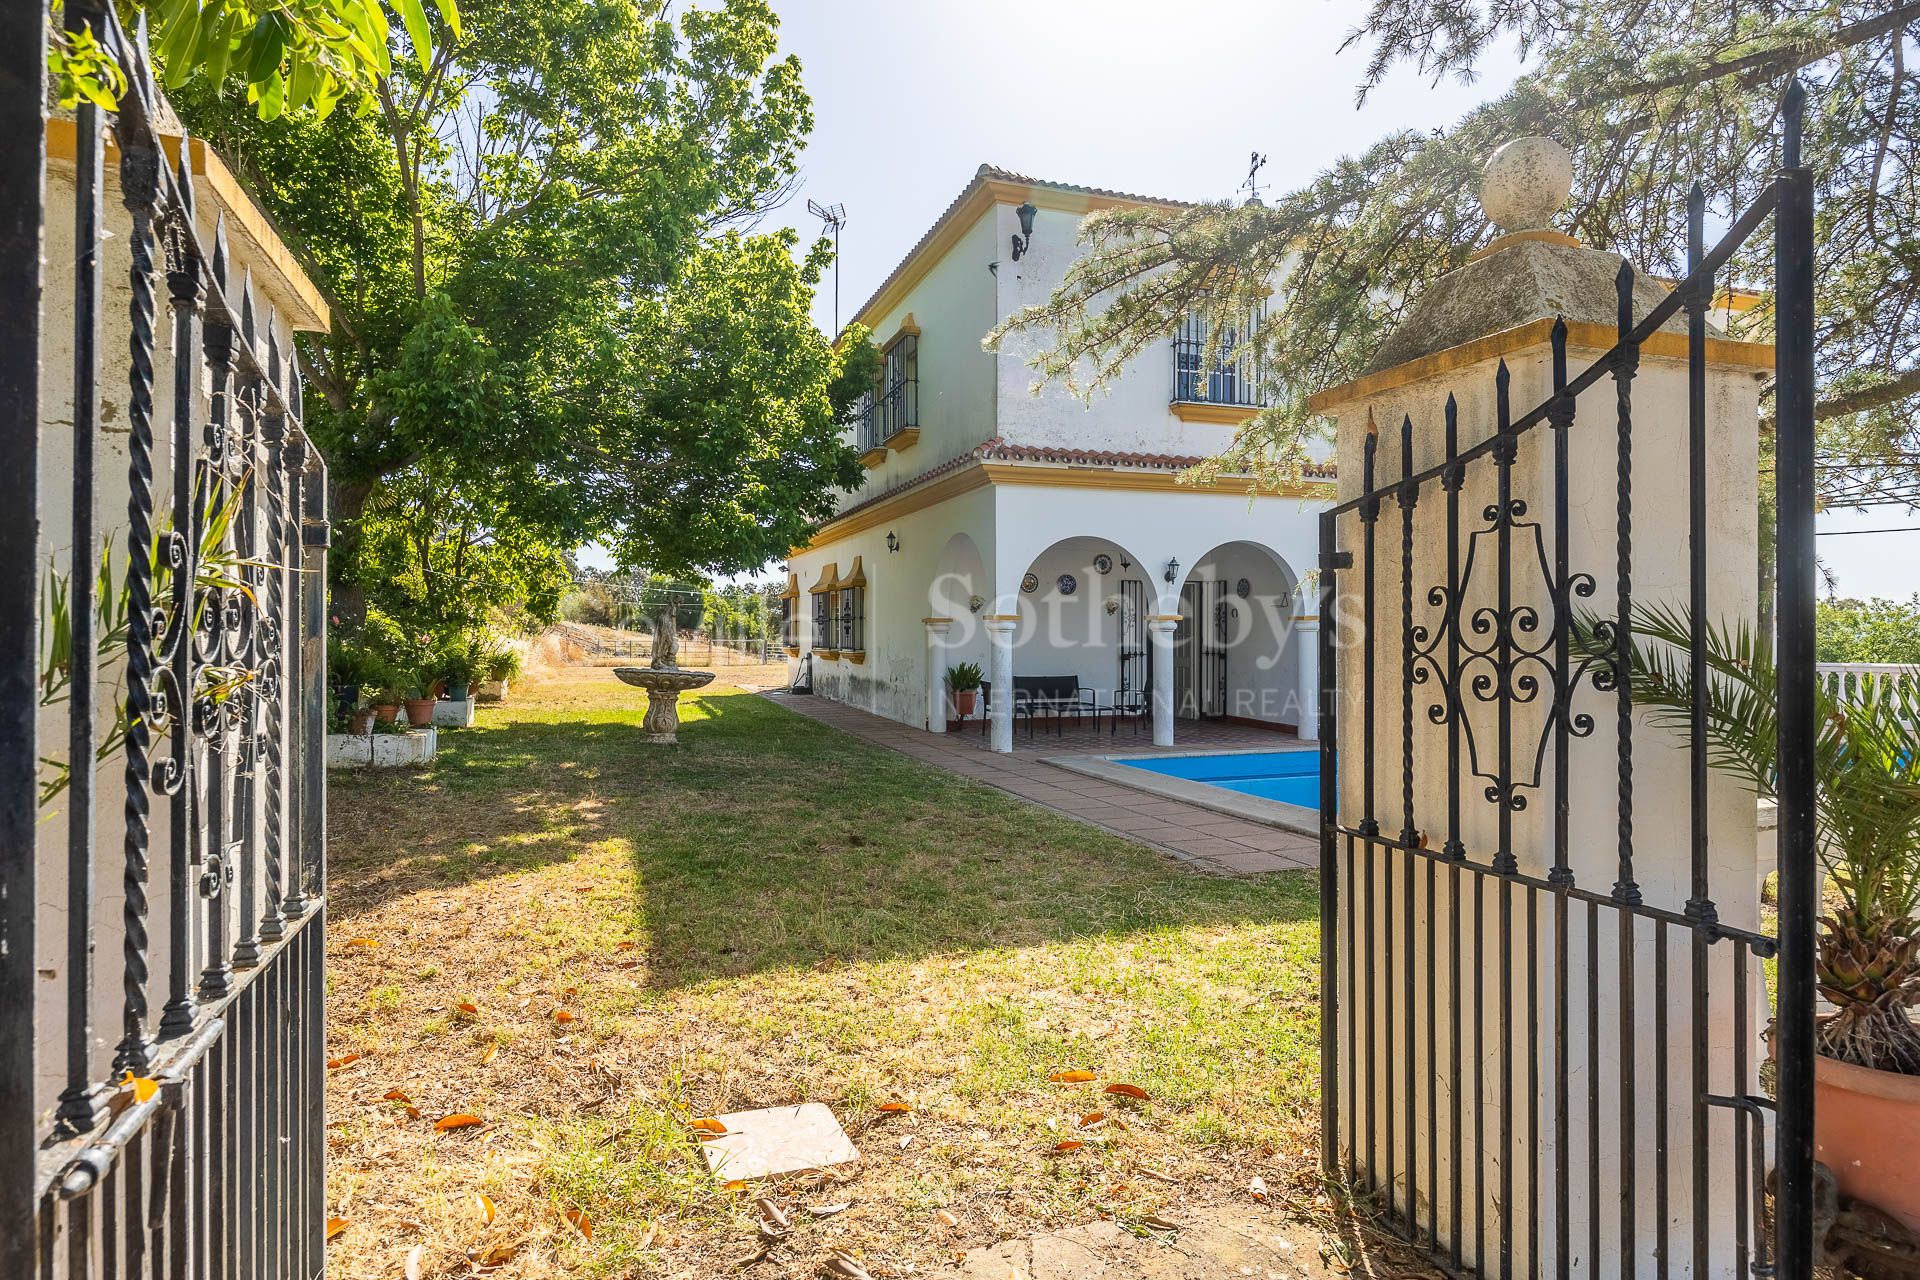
1525 183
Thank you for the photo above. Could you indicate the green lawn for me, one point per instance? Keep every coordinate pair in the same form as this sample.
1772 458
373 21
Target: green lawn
773 912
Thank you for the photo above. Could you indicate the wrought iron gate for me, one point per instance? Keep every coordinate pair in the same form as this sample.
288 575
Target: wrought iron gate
163 701
1136 671
1500 1047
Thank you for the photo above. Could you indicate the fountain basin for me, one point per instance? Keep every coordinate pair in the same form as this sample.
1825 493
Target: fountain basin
664 685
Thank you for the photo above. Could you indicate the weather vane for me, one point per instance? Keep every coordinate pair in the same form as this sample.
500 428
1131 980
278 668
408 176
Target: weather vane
1251 186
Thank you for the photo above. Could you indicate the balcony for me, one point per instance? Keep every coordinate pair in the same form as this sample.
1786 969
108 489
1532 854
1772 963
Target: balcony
1230 387
892 416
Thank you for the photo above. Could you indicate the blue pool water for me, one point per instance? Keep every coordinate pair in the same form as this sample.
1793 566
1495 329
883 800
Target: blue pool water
1291 777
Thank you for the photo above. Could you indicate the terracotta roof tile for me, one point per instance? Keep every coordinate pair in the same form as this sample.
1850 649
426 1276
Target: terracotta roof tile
999 450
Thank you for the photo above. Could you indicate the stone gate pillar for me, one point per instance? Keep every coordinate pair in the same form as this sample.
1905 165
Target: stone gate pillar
1517 1047
1000 627
937 630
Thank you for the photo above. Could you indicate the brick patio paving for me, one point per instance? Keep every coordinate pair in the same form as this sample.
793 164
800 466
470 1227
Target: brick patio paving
1211 841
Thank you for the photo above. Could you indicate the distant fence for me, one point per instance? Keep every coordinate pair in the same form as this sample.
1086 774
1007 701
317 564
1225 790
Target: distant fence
696 648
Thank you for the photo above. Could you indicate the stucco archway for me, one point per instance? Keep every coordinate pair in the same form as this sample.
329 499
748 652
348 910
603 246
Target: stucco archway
1238 649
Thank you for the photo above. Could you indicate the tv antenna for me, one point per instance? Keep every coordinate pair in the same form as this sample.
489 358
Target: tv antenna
833 217
1253 188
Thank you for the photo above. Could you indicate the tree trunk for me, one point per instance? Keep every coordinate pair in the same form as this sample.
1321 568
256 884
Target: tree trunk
347 499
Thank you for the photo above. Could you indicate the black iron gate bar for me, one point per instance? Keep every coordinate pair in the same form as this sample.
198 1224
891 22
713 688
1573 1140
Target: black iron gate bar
219 1171
1510 655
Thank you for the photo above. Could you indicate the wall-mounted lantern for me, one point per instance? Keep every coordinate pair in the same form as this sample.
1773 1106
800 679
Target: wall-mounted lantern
893 542
1024 239
1173 571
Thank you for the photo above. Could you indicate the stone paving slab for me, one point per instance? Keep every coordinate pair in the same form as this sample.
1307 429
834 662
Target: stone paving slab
774 1140
1210 1244
1205 837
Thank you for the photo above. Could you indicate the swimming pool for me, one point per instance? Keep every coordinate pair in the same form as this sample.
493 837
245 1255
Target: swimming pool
1290 777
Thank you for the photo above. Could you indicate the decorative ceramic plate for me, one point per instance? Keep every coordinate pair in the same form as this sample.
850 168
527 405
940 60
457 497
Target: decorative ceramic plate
1030 583
1103 563
1243 588
1068 584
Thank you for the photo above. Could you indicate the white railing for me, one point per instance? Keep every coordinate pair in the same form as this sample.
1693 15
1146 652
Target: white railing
1863 680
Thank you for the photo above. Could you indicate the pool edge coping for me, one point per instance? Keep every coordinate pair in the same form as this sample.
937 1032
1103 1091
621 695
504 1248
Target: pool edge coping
1234 804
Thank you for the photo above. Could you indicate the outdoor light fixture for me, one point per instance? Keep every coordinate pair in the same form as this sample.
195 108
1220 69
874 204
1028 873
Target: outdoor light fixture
1173 571
893 543
976 603
1025 238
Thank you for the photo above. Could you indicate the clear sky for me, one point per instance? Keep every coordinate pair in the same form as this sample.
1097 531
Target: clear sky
910 96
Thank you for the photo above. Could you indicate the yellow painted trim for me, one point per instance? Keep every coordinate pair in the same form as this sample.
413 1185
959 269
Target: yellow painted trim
966 211
1306 617
918 498
1143 481
828 653
874 457
793 587
829 579
245 218
856 576
1165 617
793 651
858 656
1544 235
904 438
1204 411
907 329
1757 356
1000 617
937 622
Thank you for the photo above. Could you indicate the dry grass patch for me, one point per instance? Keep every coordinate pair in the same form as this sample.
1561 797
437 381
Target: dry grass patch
586 943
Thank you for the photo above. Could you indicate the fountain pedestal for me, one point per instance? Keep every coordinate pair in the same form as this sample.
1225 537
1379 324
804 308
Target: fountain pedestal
664 685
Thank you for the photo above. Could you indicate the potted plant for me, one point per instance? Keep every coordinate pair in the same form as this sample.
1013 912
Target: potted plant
457 666
963 682
360 719
1867 953
420 697
501 665
386 700
351 668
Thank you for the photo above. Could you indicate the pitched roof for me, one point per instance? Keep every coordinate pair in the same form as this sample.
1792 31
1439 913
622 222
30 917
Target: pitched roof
992 185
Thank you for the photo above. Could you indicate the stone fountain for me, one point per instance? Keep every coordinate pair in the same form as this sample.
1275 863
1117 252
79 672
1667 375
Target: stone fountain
664 682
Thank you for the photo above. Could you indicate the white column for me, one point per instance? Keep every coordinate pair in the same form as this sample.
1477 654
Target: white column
937 629
1306 639
1000 675
1160 635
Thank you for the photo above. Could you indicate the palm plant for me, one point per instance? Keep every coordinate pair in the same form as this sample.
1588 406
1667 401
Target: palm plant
1866 804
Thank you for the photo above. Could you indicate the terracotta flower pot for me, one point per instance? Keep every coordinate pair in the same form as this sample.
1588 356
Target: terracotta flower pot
361 721
964 701
386 712
1866 1128
420 712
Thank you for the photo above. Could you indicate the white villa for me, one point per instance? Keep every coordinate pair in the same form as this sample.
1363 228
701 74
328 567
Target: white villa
1038 535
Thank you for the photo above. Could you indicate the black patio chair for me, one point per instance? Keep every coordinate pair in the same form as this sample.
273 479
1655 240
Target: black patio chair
1130 704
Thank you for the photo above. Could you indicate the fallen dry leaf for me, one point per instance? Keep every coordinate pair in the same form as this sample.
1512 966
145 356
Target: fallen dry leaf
414 1255
335 1226
468 1007
334 1064
1065 1145
581 1222
1158 1223
484 1207
946 1219
1258 1188
772 1214
493 1047
626 946
1127 1091
894 1108
707 1124
413 1113
563 1016
396 1095
1072 1077
1092 1118
828 1210
361 943
845 1266
646 1237
458 1120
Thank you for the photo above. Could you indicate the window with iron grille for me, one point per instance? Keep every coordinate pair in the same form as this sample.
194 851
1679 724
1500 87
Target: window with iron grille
853 619
896 404
823 620
786 622
868 429
1233 376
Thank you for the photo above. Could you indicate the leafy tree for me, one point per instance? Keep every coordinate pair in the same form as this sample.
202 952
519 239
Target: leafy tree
1648 96
1868 630
286 54
539 239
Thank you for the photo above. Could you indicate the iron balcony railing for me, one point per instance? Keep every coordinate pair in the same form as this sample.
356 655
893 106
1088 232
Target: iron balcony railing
1228 371
894 405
